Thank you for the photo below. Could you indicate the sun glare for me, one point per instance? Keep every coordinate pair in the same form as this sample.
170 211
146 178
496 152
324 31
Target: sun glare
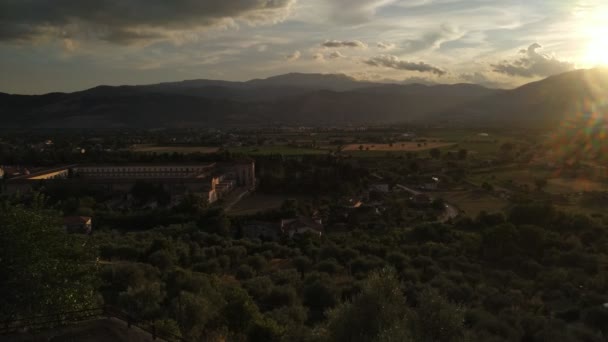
596 32
597 48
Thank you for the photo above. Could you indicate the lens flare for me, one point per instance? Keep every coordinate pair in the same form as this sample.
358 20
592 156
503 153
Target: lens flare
594 28
597 49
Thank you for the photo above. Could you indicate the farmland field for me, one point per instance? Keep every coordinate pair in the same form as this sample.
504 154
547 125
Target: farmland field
249 150
149 148
567 185
472 202
276 149
555 183
398 146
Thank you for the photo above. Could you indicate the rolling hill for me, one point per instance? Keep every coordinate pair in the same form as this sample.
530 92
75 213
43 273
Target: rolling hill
308 99
293 99
567 97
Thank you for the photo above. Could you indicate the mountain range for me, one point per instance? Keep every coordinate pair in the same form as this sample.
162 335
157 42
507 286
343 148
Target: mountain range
309 99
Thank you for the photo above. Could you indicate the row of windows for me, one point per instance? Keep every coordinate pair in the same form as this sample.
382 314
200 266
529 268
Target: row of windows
143 170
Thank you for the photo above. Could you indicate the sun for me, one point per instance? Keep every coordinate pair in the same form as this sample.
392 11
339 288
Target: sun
596 52
595 33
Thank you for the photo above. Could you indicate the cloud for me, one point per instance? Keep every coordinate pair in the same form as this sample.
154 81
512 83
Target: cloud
393 62
533 64
355 11
69 45
385 46
432 40
126 21
318 57
335 54
293 56
344 43
321 57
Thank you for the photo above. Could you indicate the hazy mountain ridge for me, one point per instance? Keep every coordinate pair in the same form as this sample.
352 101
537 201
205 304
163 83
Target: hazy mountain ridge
546 102
311 99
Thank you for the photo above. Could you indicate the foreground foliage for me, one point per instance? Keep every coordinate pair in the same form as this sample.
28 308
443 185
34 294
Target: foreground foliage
535 274
44 270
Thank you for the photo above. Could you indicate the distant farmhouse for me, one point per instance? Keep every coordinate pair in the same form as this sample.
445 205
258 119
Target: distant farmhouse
214 180
302 225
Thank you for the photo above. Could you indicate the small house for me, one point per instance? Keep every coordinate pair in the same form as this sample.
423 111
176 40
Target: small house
301 225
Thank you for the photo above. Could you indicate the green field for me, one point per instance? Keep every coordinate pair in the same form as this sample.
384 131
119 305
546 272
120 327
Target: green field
249 150
521 176
472 202
150 148
516 174
284 150
380 154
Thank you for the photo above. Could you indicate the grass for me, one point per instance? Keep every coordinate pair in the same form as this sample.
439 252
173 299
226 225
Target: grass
555 184
480 149
149 148
284 150
375 154
578 209
396 147
568 185
473 202
249 150
517 175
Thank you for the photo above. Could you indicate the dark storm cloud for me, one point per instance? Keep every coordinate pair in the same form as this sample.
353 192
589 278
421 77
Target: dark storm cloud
344 43
127 20
127 37
393 62
533 64
16 31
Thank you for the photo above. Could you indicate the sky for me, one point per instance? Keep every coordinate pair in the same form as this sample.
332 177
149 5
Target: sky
70 45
